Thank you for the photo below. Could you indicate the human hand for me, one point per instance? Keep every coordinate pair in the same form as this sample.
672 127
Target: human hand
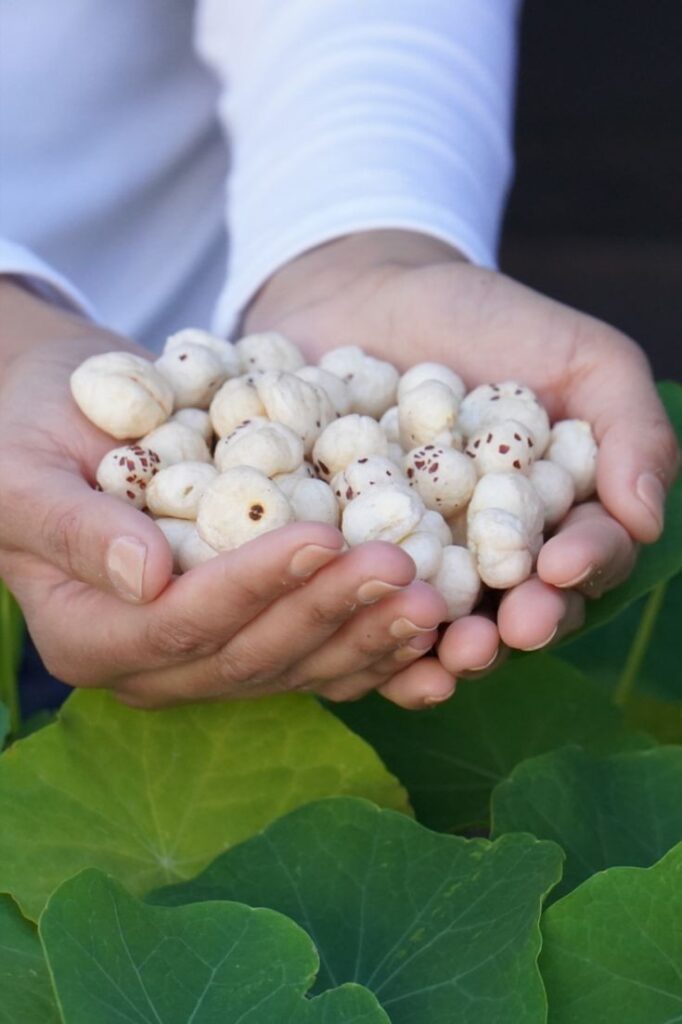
93 574
408 298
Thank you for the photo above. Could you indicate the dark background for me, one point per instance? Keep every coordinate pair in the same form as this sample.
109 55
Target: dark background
595 217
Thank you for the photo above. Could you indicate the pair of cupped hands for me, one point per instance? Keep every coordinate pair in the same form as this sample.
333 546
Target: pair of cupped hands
295 610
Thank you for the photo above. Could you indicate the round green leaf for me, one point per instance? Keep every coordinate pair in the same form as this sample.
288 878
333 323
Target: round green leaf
623 810
451 758
612 949
439 928
153 797
115 959
25 989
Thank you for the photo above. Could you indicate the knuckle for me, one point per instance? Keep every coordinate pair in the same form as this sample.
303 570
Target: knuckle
60 532
322 615
174 640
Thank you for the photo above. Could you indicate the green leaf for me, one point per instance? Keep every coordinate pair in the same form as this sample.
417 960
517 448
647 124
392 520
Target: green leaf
612 949
451 758
25 989
11 647
623 810
115 959
659 718
656 562
153 797
440 928
604 653
4 725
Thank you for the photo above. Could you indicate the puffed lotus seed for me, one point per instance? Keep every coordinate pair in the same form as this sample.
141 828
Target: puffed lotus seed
225 350
572 446
433 522
491 403
390 425
500 544
372 383
196 419
335 388
381 513
361 474
122 394
175 531
425 550
501 448
239 505
194 551
426 413
176 490
444 477
303 407
457 580
194 372
512 493
555 488
175 442
313 501
287 481
270 350
272 449
236 401
421 372
128 471
346 439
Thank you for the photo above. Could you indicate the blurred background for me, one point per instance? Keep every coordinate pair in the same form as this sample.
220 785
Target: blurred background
595 217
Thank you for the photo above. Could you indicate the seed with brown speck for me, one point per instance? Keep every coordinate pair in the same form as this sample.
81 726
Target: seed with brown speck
256 512
503 449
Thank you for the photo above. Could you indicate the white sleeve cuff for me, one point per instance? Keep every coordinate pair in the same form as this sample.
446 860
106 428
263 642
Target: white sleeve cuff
41 279
353 115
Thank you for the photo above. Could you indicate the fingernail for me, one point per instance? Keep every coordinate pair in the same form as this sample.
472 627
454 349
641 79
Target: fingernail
432 702
547 640
651 493
403 629
482 668
417 645
583 575
311 558
125 561
374 590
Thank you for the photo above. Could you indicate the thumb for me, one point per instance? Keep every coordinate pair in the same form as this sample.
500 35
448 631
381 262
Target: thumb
93 537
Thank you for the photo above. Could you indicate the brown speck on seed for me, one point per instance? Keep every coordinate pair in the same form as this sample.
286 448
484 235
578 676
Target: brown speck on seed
130 464
410 473
488 438
477 443
517 437
470 454
317 423
429 447
131 495
516 464
388 473
419 464
530 442
433 468
256 512
362 461
349 493
142 485
182 357
503 449
495 398
130 479
518 391
321 465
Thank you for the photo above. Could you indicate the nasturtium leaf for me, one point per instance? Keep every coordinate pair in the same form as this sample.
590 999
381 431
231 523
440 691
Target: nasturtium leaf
656 562
440 928
4 725
451 757
618 811
153 797
116 959
25 990
659 718
612 949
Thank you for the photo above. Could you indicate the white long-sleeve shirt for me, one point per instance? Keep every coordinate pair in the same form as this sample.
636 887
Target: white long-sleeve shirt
160 159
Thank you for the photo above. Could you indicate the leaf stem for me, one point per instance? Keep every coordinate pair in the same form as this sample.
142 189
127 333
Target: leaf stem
639 646
10 645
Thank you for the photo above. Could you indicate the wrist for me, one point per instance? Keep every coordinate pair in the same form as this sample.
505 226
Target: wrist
30 323
319 273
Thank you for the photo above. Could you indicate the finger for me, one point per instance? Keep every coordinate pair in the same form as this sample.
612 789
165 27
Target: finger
93 637
378 636
530 615
590 552
420 686
470 644
638 453
92 537
258 658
